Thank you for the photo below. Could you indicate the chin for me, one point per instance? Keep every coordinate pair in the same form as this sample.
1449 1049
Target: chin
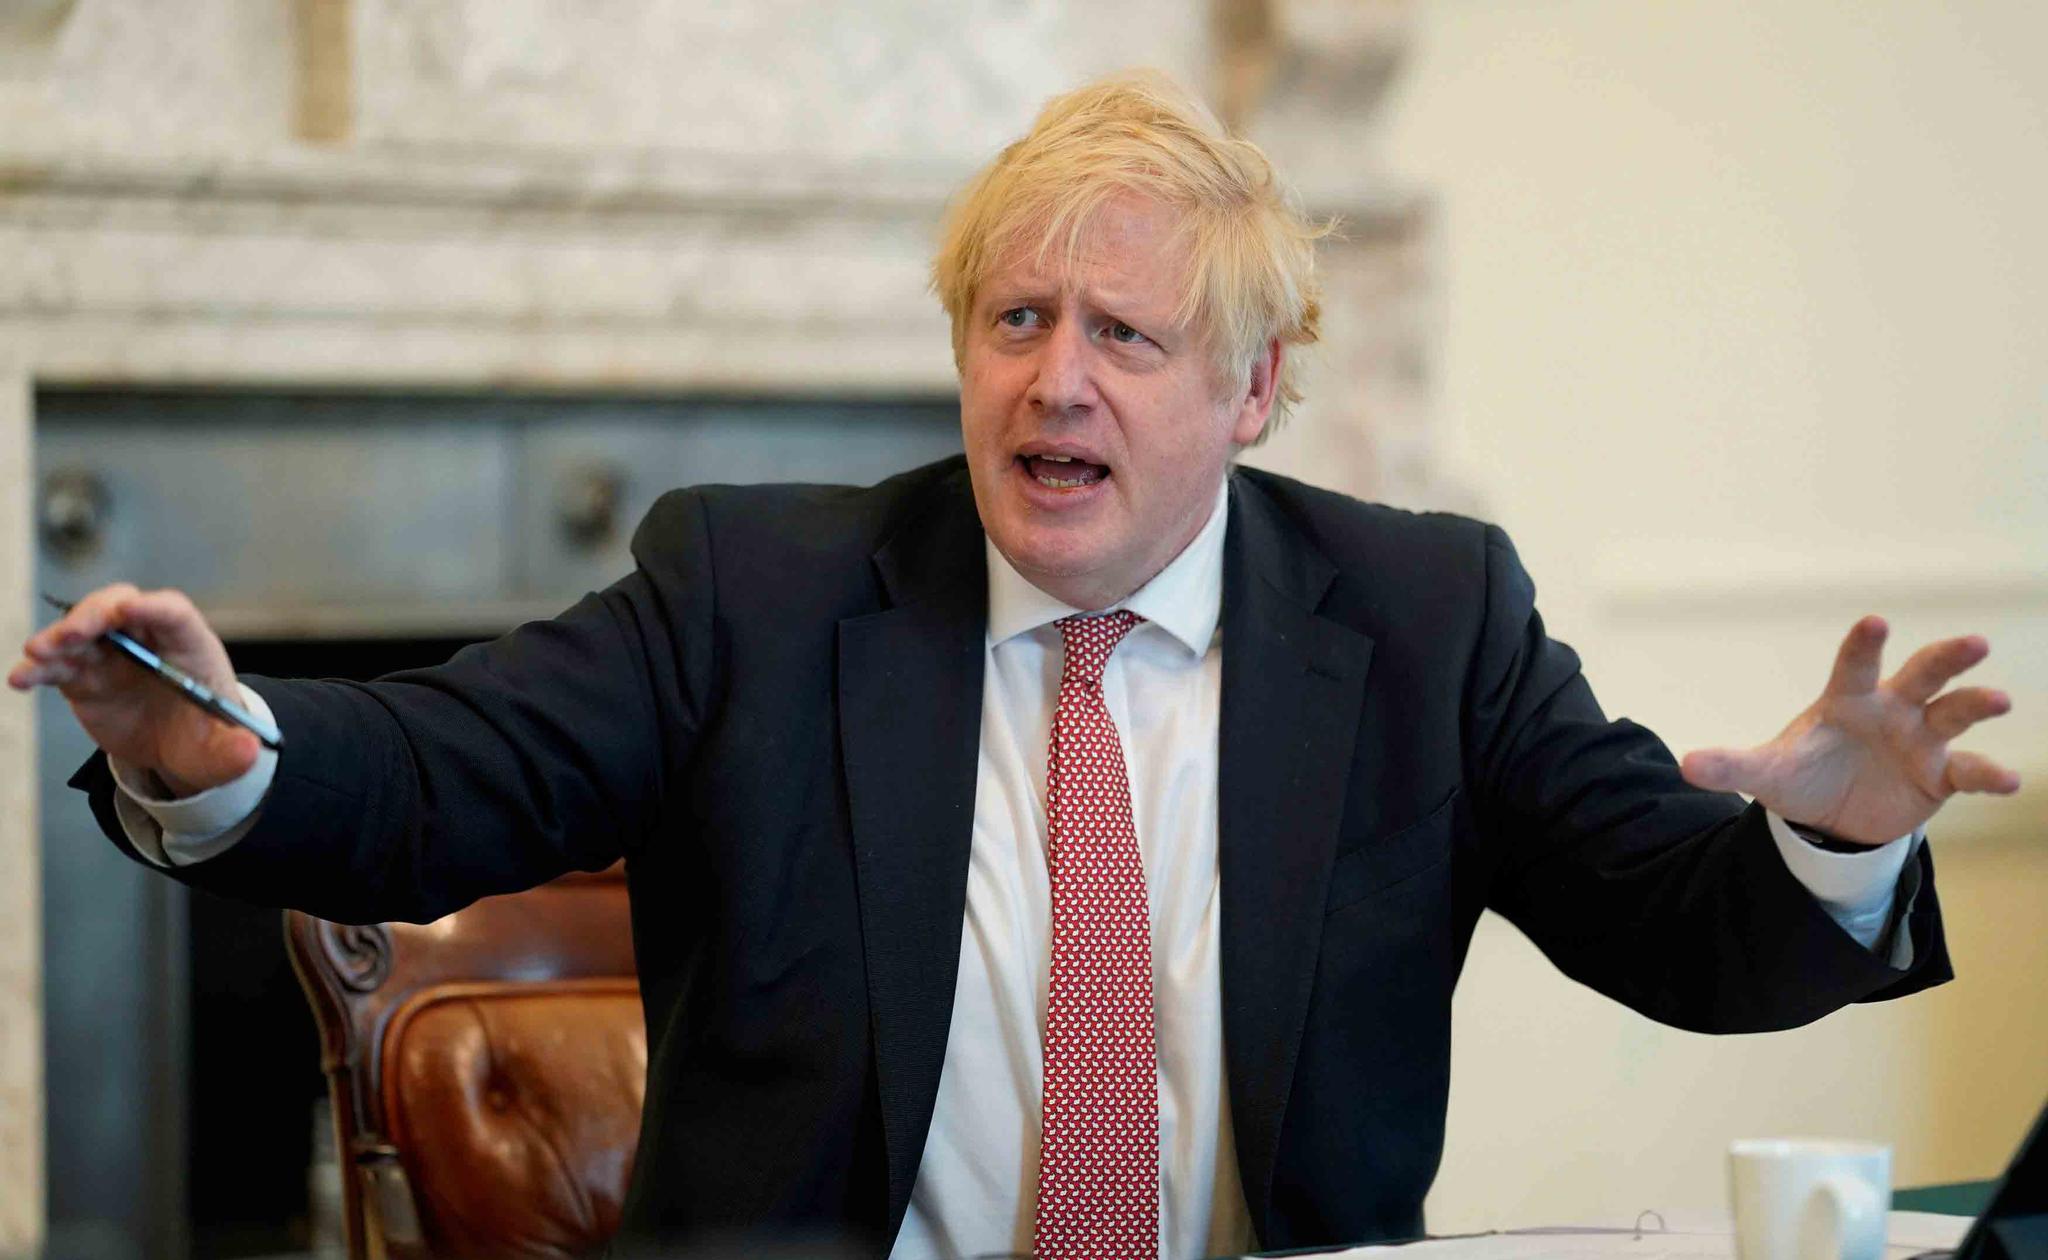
1046 553
1047 556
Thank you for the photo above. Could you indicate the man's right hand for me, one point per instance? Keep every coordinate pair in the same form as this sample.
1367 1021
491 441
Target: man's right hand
126 711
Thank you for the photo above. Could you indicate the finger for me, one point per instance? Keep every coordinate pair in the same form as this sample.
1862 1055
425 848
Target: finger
1961 709
92 654
40 649
84 659
1929 669
88 619
81 652
1723 769
47 674
1974 772
1858 659
167 619
107 674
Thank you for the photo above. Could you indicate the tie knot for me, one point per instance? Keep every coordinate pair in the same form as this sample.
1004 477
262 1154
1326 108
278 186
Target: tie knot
1090 640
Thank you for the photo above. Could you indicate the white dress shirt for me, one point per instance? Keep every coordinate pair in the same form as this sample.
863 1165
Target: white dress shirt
976 1186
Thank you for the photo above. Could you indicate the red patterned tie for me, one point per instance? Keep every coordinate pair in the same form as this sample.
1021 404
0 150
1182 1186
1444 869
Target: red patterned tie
1098 1161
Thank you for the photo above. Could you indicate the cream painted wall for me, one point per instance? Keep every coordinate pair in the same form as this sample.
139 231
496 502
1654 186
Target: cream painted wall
1742 336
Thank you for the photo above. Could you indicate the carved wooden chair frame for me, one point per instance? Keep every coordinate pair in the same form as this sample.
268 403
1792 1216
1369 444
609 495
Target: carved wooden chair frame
363 981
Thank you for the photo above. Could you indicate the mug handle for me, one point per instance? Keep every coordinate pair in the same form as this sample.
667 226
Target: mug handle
1844 1220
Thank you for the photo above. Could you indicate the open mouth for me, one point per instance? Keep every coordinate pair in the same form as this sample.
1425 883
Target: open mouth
1063 472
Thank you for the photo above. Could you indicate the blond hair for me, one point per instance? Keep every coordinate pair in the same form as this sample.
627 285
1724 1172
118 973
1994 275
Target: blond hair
1251 252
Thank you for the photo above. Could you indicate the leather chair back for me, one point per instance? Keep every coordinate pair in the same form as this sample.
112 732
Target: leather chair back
486 1071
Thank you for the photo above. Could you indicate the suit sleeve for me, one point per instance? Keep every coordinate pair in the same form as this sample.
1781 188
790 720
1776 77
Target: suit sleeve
546 750
1668 898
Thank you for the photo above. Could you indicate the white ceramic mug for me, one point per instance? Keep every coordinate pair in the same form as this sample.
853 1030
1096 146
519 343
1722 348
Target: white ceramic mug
1801 1199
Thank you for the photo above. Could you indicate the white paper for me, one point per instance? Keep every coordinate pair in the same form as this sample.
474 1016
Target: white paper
1907 1234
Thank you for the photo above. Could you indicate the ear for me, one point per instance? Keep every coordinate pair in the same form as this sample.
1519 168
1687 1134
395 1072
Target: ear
1255 405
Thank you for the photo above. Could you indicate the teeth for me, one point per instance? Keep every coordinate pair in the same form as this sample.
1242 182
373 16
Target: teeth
1059 459
1060 483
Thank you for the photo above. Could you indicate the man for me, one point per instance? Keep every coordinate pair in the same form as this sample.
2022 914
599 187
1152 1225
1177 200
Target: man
1071 848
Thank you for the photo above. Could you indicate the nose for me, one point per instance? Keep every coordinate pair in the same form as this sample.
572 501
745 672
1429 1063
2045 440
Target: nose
1064 381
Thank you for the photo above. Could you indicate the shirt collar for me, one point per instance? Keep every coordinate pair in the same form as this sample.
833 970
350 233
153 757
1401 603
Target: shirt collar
1185 598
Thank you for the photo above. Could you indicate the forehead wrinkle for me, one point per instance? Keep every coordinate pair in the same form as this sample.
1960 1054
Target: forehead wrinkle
1038 262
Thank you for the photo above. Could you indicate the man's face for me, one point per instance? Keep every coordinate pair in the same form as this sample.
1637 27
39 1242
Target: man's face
1096 430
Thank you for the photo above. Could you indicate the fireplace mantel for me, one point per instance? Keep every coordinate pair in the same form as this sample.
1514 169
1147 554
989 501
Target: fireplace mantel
647 272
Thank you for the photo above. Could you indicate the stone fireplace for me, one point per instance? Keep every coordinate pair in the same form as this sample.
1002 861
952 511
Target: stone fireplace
654 198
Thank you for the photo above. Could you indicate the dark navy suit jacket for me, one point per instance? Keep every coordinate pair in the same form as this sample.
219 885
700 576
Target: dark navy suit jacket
775 720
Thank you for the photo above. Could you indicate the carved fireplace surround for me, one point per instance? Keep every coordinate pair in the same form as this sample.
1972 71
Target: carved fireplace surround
645 196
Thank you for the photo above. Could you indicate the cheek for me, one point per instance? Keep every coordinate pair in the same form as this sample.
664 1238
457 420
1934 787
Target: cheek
1179 437
987 390
980 413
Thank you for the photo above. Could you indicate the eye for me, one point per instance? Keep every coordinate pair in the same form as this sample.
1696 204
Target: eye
1018 317
1120 331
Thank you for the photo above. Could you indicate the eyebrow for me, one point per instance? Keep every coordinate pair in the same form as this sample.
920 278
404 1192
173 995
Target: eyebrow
1118 305
1022 295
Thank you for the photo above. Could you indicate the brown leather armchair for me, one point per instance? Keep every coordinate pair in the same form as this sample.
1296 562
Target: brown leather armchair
486 1071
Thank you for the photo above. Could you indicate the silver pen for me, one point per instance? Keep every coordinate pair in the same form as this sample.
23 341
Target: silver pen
187 686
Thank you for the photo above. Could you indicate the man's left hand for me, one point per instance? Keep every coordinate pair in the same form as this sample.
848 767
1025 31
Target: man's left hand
1870 761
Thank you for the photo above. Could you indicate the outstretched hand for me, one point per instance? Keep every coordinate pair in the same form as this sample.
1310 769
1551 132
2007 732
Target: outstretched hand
1870 760
126 711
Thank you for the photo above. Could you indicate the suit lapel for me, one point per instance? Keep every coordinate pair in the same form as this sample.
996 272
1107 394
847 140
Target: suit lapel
910 692
910 687
1293 687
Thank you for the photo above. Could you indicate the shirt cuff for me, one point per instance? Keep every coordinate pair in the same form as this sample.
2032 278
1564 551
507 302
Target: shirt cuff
178 831
1856 889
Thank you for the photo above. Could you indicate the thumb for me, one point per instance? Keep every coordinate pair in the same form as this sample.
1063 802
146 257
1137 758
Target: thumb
235 748
218 754
1722 769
